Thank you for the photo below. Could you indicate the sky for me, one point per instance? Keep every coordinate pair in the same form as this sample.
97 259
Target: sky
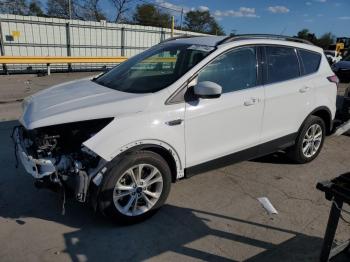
270 16
266 16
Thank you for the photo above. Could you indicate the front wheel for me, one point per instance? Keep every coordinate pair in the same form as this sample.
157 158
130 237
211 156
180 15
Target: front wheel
135 187
309 141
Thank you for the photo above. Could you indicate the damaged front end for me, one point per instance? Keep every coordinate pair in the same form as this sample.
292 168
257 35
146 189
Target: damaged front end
56 158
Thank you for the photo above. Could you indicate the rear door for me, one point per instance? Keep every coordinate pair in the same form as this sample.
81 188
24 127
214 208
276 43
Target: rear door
288 96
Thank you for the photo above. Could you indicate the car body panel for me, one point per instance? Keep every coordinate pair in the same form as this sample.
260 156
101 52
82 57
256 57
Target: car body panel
78 101
285 107
325 92
222 126
200 40
149 127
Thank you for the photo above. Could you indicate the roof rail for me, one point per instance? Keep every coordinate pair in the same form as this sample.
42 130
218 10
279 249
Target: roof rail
179 37
264 36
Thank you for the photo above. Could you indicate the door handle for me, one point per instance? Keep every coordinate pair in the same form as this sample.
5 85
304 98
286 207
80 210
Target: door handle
174 122
304 89
251 101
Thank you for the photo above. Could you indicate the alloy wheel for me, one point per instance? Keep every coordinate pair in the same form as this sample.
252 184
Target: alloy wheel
312 140
138 189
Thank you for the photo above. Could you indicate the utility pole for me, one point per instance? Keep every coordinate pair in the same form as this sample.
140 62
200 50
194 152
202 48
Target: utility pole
70 9
172 26
69 52
2 50
182 14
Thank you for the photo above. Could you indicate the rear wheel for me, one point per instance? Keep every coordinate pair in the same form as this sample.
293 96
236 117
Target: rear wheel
135 187
309 141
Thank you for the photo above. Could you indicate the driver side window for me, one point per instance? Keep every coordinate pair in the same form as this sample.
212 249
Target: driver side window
234 70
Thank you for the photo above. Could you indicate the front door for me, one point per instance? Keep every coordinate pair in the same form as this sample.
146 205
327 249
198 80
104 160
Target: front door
221 126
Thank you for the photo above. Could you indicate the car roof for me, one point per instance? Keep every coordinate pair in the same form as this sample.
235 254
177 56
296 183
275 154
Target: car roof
249 38
198 40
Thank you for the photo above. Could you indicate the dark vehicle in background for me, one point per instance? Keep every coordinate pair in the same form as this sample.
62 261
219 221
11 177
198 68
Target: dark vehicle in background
342 69
346 105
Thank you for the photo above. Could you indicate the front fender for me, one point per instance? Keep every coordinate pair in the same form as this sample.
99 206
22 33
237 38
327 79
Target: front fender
140 129
148 143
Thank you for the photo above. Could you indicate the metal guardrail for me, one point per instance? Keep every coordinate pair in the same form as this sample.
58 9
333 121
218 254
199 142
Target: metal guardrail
58 59
48 60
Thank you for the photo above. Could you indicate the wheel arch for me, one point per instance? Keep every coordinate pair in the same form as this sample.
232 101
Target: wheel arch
325 114
163 149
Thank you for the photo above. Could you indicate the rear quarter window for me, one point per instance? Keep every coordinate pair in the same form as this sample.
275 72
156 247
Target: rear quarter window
311 61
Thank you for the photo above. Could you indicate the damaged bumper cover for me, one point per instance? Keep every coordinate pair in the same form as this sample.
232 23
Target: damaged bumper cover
38 168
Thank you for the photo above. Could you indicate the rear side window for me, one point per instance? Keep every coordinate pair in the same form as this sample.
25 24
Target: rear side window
311 61
282 64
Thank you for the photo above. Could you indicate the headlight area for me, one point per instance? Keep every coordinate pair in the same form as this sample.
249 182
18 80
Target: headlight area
56 158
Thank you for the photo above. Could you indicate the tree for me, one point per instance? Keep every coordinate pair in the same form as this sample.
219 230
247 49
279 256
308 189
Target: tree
307 35
215 28
303 34
203 22
60 9
35 9
149 15
326 40
91 11
121 6
15 7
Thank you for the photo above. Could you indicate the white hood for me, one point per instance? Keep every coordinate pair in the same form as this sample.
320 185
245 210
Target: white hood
78 101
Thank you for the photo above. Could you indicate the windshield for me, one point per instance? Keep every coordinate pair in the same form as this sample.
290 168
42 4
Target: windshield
154 69
347 58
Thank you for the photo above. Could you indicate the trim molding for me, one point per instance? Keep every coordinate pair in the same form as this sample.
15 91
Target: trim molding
246 154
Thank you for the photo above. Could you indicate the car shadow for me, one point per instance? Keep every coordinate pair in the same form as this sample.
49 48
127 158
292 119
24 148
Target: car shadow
279 158
171 231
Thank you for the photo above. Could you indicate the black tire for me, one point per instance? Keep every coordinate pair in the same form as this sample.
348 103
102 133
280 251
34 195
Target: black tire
116 170
296 152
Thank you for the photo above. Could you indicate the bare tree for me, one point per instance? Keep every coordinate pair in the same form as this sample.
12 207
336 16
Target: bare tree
121 6
60 9
92 11
80 9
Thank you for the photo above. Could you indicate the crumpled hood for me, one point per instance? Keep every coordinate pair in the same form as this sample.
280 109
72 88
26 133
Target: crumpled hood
78 101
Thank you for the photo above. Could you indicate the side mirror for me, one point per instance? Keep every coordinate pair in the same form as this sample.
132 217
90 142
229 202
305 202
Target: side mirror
207 89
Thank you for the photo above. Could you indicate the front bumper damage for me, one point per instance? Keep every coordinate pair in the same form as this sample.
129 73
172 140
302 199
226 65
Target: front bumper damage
61 174
38 168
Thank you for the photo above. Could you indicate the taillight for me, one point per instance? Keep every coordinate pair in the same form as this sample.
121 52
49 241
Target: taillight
333 79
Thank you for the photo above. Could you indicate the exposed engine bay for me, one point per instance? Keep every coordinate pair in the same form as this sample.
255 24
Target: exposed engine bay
56 157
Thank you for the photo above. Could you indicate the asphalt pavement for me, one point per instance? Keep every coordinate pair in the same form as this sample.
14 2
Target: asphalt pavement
214 216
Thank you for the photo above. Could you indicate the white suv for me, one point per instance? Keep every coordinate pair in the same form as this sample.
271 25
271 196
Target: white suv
183 106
